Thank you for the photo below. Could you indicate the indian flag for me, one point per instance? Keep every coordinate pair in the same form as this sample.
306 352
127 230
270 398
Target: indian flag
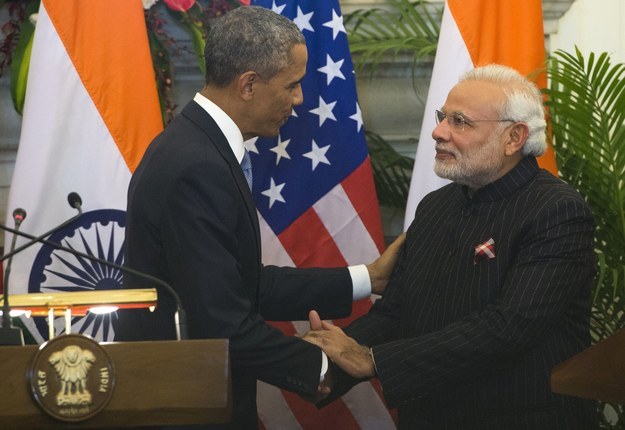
476 33
91 109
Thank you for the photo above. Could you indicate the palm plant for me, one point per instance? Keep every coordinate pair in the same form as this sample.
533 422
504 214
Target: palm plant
407 28
586 101
391 172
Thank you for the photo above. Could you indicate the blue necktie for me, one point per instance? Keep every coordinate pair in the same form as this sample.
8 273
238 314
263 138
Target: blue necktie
246 165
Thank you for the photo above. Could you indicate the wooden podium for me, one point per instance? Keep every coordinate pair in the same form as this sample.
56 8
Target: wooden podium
596 373
156 383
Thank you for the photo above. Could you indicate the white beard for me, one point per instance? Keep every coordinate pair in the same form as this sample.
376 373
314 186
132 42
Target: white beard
475 168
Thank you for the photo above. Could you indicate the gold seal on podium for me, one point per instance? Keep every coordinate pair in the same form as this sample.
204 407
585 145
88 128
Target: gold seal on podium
71 378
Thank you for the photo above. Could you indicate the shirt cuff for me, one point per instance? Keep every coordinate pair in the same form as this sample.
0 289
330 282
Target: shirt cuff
361 282
324 367
375 367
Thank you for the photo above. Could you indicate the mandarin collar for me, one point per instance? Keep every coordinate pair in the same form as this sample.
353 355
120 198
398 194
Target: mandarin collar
516 178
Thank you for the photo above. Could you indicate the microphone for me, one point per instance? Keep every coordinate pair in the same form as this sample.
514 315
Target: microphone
10 335
19 215
74 201
180 316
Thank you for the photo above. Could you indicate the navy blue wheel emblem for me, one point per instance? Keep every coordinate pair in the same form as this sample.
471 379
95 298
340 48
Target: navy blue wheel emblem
99 234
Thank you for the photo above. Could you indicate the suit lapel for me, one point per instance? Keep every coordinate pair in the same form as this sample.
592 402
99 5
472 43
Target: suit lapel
204 121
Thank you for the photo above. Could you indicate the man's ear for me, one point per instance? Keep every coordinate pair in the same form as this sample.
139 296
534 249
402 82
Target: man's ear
516 138
246 84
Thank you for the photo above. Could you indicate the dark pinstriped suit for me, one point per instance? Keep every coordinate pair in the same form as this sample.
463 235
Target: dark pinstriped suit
460 345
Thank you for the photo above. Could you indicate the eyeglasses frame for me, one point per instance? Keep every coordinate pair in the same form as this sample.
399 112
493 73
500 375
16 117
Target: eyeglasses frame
440 116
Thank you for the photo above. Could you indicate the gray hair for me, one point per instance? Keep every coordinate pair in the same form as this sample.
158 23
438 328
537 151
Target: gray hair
246 39
524 102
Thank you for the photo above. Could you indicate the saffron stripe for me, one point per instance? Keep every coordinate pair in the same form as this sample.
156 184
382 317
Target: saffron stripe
121 86
484 27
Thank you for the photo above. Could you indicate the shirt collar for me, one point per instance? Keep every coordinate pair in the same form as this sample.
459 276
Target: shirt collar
225 123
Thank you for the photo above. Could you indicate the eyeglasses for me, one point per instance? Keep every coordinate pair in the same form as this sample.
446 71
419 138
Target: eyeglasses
457 121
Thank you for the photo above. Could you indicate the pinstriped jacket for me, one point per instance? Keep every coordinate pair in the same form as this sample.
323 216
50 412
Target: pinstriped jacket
466 341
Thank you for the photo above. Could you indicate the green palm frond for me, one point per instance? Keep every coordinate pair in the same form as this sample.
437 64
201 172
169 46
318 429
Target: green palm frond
391 172
407 27
586 101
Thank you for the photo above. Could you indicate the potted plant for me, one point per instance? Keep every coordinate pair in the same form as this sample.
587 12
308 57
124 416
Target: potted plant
586 102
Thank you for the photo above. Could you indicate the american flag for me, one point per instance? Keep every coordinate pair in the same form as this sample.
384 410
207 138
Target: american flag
314 191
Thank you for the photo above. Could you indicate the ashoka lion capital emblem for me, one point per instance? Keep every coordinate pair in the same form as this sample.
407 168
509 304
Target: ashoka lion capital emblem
72 365
72 377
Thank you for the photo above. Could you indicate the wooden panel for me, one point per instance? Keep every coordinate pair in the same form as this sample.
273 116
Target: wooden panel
156 383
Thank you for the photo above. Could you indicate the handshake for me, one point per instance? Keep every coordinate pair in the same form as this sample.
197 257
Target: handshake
355 359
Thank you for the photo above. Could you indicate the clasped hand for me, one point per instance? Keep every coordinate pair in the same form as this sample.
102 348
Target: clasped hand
344 351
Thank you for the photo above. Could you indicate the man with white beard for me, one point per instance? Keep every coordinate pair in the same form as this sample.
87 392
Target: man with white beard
493 286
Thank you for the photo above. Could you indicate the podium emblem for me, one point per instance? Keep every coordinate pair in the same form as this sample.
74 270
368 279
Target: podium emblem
72 378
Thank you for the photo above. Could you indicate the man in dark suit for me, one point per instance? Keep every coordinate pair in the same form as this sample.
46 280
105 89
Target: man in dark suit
493 286
191 220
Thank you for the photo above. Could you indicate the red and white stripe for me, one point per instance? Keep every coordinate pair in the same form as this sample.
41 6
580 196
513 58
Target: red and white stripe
342 228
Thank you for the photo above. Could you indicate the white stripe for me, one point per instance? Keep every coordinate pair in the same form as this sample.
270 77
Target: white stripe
301 327
273 410
367 408
346 228
272 249
452 60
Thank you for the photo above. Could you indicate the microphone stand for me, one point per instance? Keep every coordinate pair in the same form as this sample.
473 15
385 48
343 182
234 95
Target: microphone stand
10 335
180 318
34 239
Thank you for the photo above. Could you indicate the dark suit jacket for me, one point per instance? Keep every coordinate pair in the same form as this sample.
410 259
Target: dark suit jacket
466 342
191 221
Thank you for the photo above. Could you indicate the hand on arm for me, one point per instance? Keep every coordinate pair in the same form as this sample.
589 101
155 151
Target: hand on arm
381 269
345 352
